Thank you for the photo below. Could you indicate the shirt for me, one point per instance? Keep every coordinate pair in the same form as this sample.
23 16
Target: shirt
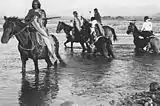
147 26
77 23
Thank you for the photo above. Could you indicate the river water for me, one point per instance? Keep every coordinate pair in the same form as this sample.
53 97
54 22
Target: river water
85 81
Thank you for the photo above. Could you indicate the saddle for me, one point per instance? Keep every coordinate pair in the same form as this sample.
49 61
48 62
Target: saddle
147 34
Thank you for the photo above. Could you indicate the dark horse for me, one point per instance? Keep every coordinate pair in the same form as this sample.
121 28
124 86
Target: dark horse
103 44
28 45
141 43
73 35
67 29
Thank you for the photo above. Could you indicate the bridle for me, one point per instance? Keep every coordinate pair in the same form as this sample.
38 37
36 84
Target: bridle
22 30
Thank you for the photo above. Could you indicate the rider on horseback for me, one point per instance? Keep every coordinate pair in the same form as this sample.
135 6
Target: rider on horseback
76 26
36 16
77 22
99 22
147 27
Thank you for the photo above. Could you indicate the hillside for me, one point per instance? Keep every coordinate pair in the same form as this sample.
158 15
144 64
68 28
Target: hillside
157 14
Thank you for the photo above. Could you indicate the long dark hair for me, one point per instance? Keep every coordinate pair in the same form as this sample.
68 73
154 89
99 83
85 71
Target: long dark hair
37 1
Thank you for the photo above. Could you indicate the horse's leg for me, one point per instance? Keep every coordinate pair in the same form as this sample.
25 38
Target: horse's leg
83 47
24 65
66 43
110 51
23 59
104 50
36 65
48 61
94 52
71 46
88 48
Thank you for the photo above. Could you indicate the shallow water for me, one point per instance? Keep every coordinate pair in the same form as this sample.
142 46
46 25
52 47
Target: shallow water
85 81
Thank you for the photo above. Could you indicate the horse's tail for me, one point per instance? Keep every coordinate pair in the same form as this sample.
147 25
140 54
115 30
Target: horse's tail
57 50
114 34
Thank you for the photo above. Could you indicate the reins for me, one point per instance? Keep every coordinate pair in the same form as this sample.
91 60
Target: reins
22 30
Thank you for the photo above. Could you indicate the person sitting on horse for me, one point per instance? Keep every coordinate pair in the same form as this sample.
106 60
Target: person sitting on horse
147 27
76 21
35 17
99 21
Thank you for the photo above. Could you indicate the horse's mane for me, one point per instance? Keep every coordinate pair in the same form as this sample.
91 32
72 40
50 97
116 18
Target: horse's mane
17 20
13 19
66 25
137 29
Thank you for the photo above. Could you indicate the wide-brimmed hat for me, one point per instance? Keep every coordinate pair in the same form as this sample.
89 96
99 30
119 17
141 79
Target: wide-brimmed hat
147 18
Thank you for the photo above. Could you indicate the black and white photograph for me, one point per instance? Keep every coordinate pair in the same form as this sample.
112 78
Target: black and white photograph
79 53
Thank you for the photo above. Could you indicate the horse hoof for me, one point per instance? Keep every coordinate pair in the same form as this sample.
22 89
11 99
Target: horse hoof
55 64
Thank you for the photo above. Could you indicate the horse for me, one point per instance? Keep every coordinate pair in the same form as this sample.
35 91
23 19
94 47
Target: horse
28 45
67 29
73 35
102 43
139 43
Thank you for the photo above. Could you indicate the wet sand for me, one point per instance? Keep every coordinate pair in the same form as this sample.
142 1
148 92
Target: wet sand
85 81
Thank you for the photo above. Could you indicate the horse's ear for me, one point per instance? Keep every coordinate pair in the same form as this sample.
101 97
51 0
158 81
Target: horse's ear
5 18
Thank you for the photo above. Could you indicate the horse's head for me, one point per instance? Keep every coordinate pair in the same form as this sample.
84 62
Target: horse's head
59 27
9 28
131 28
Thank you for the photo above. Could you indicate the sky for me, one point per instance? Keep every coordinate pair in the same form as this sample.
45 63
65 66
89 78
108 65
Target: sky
65 7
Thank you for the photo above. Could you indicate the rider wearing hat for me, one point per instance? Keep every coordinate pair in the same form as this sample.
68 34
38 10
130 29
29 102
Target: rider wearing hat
147 27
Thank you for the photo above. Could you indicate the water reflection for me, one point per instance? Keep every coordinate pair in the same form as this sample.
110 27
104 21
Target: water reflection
40 90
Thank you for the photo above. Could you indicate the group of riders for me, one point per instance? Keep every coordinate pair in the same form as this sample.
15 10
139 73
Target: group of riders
94 19
36 16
